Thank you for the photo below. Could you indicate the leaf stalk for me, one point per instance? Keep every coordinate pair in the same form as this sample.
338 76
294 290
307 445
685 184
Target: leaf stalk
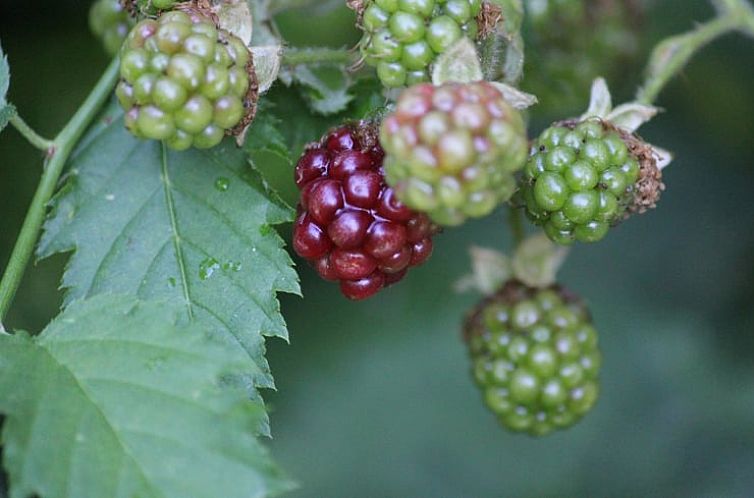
59 150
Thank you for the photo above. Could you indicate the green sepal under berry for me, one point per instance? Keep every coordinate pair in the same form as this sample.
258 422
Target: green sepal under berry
110 22
534 356
584 177
186 81
403 38
452 150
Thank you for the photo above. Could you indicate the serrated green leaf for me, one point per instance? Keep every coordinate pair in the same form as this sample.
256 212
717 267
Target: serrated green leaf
7 111
193 227
4 76
326 89
265 134
116 399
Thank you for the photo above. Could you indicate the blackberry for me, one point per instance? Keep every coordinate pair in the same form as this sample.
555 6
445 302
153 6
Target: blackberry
402 38
185 81
452 150
584 177
535 357
351 226
571 42
110 22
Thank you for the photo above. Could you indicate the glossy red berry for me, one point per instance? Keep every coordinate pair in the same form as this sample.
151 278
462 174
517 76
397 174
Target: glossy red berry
351 226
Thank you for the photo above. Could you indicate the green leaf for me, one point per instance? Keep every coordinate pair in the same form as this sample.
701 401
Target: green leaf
537 260
326 88
460 64
7 111
194 228
265 134
116 399
4 76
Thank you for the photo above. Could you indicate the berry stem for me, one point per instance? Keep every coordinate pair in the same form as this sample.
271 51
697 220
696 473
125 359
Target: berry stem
29 134
57 155
516 224
672 54
293 57
283 5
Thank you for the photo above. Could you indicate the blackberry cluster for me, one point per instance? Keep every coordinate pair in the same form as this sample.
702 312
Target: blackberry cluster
582 178
571 42
402 38
452 150
110 22
535 357
350 225
185 81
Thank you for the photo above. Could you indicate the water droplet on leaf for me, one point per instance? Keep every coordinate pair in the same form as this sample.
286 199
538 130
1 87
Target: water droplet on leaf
207 268
222 184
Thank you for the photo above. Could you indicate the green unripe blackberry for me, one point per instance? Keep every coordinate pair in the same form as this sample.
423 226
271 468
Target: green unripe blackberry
569 43
110 22
535 357
402 38
584 177
452 150
185 81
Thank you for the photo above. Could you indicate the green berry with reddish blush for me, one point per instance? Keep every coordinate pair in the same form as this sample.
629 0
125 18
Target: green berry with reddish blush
584 177
110 22
452 150
351 226
186 81
535 357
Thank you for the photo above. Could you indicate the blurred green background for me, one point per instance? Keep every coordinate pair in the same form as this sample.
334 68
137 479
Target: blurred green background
375 399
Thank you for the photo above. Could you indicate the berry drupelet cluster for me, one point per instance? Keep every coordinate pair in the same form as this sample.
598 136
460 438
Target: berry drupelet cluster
351 225
584 177
452 150
535 357
404 37
185 81
110 22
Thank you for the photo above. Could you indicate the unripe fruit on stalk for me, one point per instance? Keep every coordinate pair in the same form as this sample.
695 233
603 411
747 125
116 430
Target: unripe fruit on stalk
402 38
535 357
452 150
584 177
186 81
110 22
351 226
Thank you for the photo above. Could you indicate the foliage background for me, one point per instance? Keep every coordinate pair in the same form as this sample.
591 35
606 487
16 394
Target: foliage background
374 398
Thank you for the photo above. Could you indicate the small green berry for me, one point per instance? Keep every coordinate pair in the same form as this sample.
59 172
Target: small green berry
582 178
536 374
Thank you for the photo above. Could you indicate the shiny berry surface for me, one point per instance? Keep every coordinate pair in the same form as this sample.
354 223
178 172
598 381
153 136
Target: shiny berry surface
110 22
535 358
579 181
403 38
184 81
351 226
452 150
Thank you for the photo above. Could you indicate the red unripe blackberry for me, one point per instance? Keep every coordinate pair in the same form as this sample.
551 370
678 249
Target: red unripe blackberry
351 226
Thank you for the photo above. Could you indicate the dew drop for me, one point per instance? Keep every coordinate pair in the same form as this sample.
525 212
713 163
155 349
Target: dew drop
171 282
222 184
207 268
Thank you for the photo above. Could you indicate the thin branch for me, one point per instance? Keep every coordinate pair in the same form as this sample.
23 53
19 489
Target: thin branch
29 134
671 55
58 154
